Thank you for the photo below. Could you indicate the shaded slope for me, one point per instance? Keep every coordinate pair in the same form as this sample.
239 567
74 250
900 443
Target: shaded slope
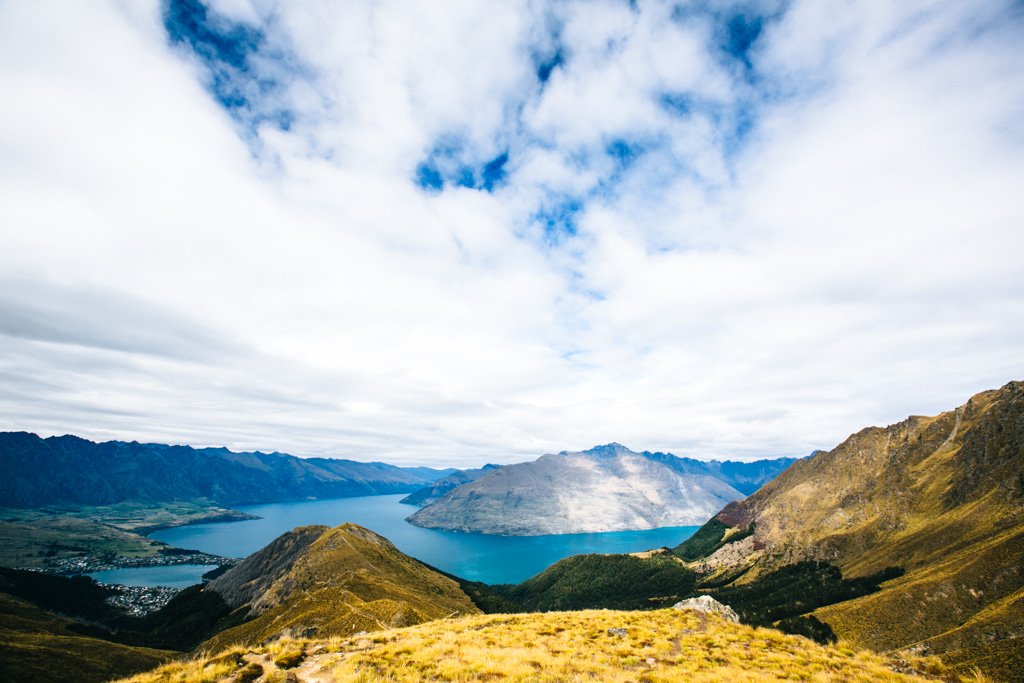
438 489
941 497
639 581
66 469
603 645
38 646
328 582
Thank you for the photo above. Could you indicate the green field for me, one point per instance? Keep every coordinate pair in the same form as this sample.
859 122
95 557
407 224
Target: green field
58 537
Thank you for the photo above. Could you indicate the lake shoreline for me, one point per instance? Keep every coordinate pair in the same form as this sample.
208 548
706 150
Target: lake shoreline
486 558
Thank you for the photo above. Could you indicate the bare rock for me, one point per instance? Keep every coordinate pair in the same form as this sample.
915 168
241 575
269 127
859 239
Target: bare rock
706 603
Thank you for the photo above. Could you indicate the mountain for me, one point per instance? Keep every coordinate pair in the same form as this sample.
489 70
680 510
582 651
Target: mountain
594 645
935 505
323 582
607 488
69 470
438 489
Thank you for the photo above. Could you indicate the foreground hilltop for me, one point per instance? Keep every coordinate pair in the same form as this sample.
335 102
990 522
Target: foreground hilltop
938 499
606 488
326 582
608 646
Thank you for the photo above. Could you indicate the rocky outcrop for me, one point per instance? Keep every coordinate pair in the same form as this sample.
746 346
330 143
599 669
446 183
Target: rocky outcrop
706 603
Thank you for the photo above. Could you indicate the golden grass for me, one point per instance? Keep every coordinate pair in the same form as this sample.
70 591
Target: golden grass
349 580
660 646
947 604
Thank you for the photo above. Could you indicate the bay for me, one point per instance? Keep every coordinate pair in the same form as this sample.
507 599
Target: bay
170 575
477 557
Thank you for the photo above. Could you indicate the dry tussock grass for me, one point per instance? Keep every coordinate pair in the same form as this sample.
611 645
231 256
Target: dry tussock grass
595 645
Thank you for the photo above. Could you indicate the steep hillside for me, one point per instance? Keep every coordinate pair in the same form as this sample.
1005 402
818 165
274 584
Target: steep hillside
607 488
68 470
614 647
940 497
325 582
438 489
639 581
38 646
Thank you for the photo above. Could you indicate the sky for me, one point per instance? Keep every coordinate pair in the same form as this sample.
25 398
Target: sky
478 231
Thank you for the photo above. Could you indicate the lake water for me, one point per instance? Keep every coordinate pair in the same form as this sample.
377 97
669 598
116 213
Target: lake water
172 575
478 557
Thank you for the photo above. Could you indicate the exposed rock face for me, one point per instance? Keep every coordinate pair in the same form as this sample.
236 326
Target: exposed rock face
941 497
706 603
440 488
608 488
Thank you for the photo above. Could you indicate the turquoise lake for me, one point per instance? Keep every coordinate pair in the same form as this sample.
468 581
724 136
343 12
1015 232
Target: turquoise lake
172 575
478 557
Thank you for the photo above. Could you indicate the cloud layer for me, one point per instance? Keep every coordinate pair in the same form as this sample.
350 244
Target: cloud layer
477 233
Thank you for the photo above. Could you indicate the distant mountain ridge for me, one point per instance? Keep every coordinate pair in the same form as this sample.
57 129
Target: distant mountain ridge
37 471
437 490
606 488
941 498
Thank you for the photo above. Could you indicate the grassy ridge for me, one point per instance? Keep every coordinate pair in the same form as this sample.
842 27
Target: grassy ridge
347 580
599 645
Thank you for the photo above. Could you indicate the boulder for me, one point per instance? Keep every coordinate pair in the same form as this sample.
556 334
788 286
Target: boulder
706 603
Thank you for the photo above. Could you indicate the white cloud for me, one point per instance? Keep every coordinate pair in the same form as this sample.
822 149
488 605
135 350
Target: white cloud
169 274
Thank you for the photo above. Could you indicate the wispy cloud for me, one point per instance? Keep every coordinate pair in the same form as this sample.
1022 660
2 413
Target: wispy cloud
483 231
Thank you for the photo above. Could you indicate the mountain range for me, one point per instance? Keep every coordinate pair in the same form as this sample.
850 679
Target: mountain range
904 540
37 471
932 505
606 488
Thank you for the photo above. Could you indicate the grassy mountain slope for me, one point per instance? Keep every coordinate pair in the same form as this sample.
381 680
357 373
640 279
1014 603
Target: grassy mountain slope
38 646
603 645
324 582
940 497
640 581
68 470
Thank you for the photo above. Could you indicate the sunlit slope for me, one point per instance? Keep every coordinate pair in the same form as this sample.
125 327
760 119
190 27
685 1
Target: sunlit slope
939 496
596 645
315 581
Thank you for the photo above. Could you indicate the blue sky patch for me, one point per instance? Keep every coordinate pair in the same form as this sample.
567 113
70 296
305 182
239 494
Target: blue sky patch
741 32
558 218
450 163
235 56
549 64
494 172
